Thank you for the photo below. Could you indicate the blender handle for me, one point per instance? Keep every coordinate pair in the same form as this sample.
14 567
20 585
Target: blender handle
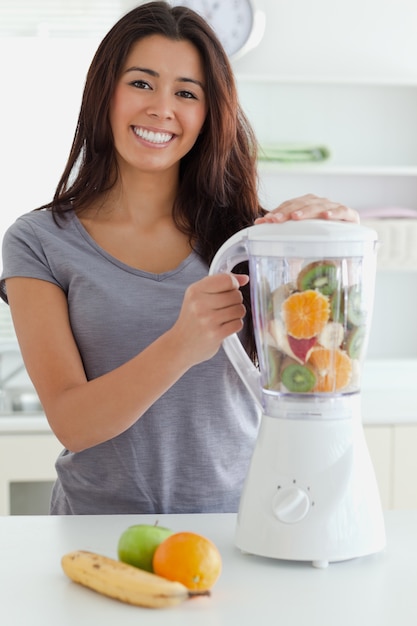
232 252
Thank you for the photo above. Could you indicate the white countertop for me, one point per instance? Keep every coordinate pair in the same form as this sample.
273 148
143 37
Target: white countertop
23 423
377 590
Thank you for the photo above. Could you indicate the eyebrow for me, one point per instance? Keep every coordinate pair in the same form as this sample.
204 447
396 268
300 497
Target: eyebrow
180 79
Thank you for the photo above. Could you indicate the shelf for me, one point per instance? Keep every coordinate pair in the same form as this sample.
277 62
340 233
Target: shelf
333 169
366 129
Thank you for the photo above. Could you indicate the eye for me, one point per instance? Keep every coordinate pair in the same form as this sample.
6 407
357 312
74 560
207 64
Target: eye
140 84
186 94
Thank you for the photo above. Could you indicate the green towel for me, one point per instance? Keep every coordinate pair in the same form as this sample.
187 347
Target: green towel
292 153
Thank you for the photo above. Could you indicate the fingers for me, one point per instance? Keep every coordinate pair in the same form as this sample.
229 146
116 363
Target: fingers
212 310
224 282
218 297
342 213
310 206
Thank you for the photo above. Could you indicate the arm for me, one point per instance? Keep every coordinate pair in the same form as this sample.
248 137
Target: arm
308 207
85 413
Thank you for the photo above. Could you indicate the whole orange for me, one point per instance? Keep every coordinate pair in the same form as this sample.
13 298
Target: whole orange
188 558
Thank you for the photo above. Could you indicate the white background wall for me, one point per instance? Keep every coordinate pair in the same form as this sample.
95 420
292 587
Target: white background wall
42 79
351 38
42 82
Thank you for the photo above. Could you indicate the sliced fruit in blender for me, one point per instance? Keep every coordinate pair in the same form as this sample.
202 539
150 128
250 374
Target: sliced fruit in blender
337 307
302 348
298 378
279 295
321 275
333 369
273 367
278 333
356 314
355 342
331 336
264 296
306 313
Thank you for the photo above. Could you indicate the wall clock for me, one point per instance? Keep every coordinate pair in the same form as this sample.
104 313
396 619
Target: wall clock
239 24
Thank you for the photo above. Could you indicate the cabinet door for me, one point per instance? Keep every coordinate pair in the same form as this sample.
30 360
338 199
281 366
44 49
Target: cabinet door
26 458
379 440
405 474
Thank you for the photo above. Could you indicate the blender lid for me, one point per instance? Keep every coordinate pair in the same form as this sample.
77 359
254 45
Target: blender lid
317 236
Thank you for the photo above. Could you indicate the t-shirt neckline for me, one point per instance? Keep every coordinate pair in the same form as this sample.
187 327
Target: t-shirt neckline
115 261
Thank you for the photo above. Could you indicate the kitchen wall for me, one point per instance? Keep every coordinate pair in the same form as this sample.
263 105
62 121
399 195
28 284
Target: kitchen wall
360 40
348 38
42 78
42 82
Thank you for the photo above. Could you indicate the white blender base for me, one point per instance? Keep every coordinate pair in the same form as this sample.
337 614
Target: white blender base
310 493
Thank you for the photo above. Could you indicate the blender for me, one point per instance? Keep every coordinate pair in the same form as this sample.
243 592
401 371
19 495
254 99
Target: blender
310 493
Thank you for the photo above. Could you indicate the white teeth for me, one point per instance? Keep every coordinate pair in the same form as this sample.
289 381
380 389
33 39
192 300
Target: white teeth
149 135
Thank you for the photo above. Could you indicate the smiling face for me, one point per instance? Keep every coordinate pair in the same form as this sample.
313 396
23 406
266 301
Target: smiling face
159 105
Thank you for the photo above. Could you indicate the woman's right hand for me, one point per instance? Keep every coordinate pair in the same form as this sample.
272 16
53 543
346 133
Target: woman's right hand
212 310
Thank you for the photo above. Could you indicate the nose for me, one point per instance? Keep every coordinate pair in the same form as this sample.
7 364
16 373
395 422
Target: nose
161 106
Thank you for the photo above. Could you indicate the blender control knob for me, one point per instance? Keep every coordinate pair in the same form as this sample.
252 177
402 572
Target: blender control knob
290 504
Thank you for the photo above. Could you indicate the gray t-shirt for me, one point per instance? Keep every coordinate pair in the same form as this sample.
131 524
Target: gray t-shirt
190 451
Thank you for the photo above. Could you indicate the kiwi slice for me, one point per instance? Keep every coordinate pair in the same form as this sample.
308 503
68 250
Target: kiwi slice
320 275
355 313
337 307
298 378
274 362
355 342
346 307
263 293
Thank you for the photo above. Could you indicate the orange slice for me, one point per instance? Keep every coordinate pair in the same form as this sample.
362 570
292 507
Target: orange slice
333 369
306 313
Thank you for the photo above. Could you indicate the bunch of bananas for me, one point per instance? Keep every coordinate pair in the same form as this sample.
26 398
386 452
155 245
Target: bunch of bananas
124 582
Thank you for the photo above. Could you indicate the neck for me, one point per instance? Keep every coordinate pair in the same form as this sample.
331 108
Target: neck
140 197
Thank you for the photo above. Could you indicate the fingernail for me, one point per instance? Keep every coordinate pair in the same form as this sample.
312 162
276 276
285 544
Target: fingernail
235 281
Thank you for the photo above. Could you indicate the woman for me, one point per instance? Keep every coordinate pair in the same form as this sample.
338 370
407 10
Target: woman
118 323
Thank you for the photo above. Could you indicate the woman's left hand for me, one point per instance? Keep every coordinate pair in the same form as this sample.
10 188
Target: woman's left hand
310 207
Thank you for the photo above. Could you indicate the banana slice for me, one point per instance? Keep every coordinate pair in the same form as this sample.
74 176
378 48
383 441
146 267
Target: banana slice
331 337
279 335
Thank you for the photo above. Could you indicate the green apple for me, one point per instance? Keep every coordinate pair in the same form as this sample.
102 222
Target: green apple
138 543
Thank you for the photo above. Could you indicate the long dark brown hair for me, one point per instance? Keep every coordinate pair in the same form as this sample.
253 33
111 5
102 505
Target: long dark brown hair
218 187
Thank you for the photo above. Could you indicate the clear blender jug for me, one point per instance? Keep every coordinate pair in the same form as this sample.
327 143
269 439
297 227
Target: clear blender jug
312 287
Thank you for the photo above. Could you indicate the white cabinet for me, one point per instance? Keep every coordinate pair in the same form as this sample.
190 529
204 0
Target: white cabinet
379 440
393 453
405 474
26 458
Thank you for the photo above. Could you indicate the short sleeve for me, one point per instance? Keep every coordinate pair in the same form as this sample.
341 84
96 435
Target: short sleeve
23 255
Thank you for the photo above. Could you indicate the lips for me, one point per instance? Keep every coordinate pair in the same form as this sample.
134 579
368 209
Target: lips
151 136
